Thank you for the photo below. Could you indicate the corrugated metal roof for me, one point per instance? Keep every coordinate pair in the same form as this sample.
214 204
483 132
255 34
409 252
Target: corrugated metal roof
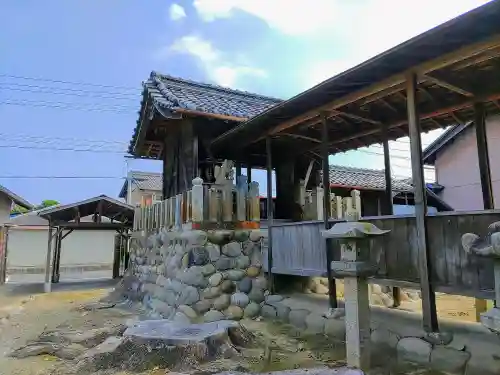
16 198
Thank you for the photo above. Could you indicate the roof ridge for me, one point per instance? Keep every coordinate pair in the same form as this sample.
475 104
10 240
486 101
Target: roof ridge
213 86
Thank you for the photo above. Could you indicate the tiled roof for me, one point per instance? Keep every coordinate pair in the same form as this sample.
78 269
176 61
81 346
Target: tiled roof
144 181
364 178
171 93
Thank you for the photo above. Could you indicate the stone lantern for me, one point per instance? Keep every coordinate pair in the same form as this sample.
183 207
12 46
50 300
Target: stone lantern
355 267
488 247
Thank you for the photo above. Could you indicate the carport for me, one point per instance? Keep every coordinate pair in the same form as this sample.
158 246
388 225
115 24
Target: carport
64 219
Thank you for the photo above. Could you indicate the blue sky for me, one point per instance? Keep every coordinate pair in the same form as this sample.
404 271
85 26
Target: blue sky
277 48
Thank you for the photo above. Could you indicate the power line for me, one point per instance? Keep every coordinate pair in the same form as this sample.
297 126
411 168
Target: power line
67 82
6 136
68 107
64 177
67 89
79 94
97 151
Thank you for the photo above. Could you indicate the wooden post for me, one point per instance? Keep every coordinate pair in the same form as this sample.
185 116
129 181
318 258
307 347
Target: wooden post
4 241
332 288
249 174
47 287
270 215
484 173
430 320
238 170
387 206
483 156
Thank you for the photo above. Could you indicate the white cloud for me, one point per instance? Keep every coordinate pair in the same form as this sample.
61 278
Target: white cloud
176 12
364 27
216 66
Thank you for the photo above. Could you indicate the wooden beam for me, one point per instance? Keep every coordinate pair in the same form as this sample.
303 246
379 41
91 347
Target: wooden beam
447 85
483 156
356 117
395 81
210 115
332 288
308 172
465 104
429 312
299 136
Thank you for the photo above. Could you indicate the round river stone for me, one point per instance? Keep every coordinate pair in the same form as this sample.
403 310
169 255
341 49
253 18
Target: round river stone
227 286
245 285
253 271
240 299
252 310
222 302
215 279
234 312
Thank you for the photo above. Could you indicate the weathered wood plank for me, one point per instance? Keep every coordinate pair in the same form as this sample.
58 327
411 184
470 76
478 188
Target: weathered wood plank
298 249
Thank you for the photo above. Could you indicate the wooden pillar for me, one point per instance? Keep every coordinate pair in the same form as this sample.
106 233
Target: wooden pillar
56 263
4 241
430 321
483 156
238 169
387 207
332 288
116 255
47 287
249 174
270 214
165 175
484 173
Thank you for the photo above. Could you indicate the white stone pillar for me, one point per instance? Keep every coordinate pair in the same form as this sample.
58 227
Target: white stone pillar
197 200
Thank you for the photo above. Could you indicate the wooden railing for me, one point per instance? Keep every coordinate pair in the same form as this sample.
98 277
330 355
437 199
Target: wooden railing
210 205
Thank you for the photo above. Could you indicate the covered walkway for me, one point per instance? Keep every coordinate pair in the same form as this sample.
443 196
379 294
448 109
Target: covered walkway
64 219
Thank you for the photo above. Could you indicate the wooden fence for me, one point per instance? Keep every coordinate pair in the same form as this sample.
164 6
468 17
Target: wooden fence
299 249
218 205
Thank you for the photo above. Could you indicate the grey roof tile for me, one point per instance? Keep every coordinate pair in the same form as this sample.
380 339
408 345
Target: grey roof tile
144 181
170 92
364 178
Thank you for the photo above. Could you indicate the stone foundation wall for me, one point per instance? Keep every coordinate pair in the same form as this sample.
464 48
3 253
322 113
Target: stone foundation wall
195 276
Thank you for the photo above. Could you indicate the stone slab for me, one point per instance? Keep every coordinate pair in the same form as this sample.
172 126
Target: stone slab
175 333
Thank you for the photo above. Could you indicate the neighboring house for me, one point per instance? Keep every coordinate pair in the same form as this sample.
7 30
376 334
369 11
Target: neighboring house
7 200
454 157
85 254
145 188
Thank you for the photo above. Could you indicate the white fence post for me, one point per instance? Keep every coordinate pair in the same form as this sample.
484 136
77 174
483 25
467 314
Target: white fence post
197 200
